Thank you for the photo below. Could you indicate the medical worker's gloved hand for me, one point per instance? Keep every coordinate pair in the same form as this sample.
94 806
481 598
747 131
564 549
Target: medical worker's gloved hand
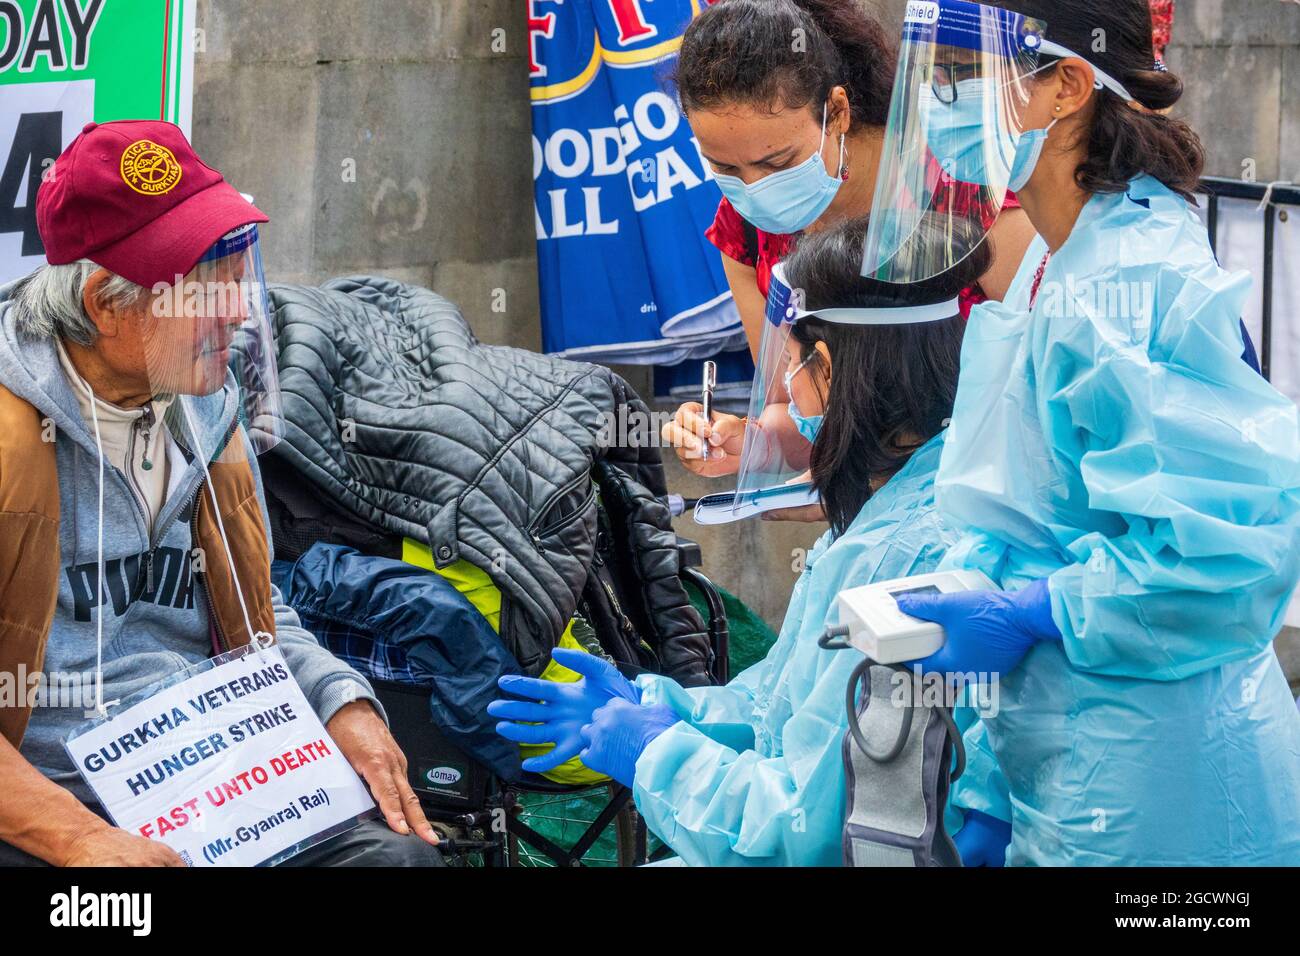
983 840
619 732
987 631
556 712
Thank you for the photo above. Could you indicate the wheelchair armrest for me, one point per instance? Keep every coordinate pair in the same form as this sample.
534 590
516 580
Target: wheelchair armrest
719 633
689 554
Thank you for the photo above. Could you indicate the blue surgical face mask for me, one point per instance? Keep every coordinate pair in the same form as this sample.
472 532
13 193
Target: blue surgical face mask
1028 149
808 425
955 133
787 201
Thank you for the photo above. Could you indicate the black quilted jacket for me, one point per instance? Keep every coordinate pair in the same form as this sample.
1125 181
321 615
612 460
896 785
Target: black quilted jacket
397 414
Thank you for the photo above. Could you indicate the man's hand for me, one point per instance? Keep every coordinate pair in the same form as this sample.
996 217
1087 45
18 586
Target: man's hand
373 753
109 846
41 818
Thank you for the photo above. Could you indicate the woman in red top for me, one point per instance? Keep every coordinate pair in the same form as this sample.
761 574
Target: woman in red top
1162 23
771 88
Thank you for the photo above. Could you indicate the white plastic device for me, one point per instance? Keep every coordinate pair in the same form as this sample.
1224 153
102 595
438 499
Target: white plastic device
884 633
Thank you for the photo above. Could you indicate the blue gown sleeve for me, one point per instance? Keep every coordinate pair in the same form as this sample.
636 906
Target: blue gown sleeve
721 713
718 805
1197 461
704 786
982 786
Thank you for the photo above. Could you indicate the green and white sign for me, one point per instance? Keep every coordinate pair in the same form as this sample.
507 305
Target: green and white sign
65 63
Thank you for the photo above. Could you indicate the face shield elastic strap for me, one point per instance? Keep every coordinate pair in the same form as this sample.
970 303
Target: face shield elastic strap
101 706
890 315
1101 77
260 640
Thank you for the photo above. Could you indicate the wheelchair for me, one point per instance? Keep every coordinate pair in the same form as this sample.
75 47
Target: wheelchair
484 819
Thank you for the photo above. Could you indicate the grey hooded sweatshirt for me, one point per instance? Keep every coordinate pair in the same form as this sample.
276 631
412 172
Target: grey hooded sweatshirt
155 620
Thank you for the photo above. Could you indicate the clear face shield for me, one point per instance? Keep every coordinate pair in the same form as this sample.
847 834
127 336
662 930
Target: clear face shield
211 329
955 141
791 388
207 345
216 353
951 147
775 454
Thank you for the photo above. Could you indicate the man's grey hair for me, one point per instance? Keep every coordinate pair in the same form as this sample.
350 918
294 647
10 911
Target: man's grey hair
50 301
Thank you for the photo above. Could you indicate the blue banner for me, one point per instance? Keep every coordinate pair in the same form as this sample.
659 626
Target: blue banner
623 197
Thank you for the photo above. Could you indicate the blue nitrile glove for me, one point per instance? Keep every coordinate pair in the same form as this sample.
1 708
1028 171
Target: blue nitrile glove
983 840
619 732
556 712
987 631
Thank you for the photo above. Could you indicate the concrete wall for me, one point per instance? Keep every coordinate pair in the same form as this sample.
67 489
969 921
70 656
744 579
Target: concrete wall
290 97
1240 64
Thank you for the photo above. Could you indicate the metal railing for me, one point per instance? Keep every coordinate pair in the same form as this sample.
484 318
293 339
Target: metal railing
1278 195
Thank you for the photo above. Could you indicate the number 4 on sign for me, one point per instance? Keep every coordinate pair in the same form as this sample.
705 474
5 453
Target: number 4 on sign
37 143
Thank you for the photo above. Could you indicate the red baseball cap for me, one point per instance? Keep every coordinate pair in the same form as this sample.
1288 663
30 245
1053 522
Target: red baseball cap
134 197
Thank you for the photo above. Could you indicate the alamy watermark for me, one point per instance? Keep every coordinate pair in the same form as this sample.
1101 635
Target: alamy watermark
33 689
914 688
1131 302
633 428
202 300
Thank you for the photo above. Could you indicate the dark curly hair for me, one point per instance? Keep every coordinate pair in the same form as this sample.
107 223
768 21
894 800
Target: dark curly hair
892 387
788 53
1122 141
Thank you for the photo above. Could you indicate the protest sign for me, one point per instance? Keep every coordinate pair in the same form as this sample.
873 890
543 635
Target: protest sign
229 766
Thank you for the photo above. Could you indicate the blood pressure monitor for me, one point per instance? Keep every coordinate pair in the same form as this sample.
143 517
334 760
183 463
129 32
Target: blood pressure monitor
884 633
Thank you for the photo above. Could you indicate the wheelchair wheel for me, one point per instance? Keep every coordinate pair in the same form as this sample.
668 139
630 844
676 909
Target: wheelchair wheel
564 818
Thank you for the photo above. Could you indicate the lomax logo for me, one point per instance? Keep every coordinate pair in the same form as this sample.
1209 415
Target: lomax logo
443 775
922 11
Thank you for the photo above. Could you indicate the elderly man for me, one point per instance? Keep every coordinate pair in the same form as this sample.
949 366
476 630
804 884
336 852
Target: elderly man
124 454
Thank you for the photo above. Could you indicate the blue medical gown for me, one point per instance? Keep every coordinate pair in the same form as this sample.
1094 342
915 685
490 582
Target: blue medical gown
1113 439
754 773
